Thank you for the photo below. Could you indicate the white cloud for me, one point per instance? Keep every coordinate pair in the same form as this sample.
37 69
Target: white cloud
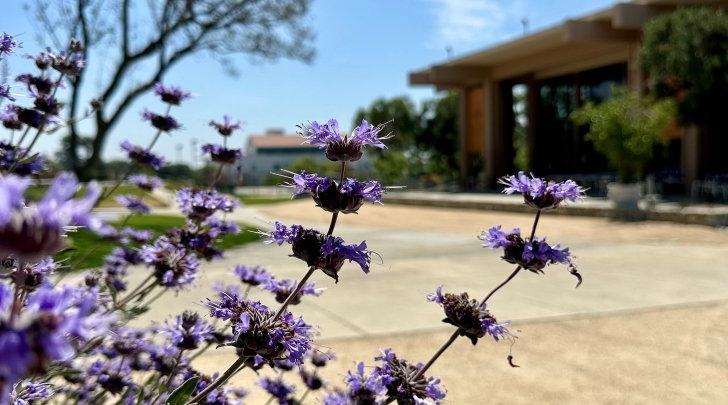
468 24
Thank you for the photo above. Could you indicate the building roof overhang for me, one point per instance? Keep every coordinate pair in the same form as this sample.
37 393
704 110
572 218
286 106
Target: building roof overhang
600 38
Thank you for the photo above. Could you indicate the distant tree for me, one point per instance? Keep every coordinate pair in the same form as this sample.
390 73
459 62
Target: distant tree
138 42
686 55
425 143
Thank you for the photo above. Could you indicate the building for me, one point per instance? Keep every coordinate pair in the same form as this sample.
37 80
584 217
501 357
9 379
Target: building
551 72
272 151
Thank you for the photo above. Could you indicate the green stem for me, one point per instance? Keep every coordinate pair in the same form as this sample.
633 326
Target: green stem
220 380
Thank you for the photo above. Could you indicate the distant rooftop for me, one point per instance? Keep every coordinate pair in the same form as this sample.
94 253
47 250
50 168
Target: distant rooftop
277 139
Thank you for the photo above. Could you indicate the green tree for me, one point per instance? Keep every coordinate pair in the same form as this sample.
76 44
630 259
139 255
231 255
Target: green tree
424 147
626 128
686 55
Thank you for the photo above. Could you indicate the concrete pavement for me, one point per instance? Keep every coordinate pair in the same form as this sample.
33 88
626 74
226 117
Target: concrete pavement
630 269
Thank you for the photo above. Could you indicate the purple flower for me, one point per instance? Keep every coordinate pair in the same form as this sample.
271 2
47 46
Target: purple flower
37 230
252 275
52 323
42 60
32 276
5 92
219 396
28 165
532 255
311 379
226 127
256 335
220 154
174 266
278 388
188 330
146 183
142 156
539 193
397 375
347 197
31 393
69 63
323 252
163 123
133 204
7 44
9 118
200 204
113 376
33 118
319 358
283 288
136 235
173 95
340 147
36 84
472 319
362 388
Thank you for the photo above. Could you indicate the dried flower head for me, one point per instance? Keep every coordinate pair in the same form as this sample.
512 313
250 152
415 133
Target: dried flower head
471 318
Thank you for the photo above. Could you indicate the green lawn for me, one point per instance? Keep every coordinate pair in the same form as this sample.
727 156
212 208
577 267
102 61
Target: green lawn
35 193
247 199
89 250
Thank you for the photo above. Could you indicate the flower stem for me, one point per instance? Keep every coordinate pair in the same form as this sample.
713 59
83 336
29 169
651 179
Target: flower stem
455 334
131 295
221 380
294 293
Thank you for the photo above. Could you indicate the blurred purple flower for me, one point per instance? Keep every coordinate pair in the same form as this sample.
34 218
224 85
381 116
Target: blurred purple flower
281 289
278 388
252 275
173 95
5 92
146 183
7 44
133 204
174 266
187 330
142 156
220 154
200 204
37 230
163 123
226 127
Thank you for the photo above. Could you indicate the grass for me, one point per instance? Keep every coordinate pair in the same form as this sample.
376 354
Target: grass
35 193
88 250
248 199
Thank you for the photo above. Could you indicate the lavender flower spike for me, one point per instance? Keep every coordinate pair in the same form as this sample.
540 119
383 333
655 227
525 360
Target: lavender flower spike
539 193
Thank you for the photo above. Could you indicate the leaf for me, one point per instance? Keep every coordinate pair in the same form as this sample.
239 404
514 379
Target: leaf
183 392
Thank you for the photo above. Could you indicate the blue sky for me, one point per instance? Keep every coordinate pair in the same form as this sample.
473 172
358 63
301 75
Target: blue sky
364 51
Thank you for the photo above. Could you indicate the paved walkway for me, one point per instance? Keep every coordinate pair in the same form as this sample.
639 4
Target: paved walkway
629 269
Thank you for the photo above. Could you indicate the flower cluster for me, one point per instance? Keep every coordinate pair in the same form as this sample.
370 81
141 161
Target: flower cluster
164 123
542 194
331 196
221 154
403 381
324 252
18 161
201 204
226 127
32 231
188 330
259 335
146 183
531 254
51 319
343 147
282 288
143 156
252 275
362 388
470 317
7 44
172 95
173 265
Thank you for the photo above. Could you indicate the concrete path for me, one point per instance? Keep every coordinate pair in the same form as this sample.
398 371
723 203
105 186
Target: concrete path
647 325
